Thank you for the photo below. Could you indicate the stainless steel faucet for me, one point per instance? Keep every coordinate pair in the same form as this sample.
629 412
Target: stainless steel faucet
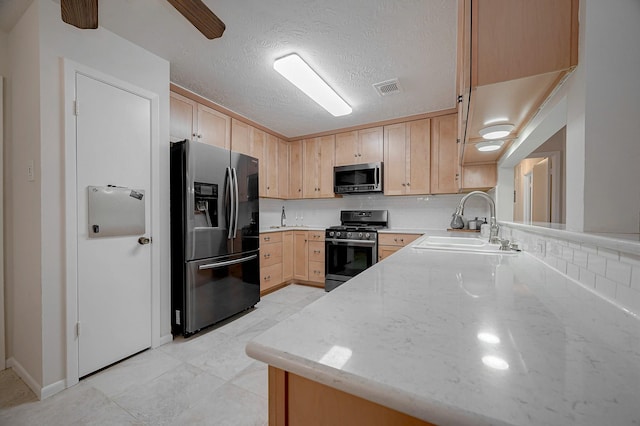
457 216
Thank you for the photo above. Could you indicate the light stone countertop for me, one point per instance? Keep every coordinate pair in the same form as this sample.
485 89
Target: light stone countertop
405 334
292 228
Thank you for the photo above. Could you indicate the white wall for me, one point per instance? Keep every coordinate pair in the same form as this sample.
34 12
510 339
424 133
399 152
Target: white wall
612 128
23 207
109 54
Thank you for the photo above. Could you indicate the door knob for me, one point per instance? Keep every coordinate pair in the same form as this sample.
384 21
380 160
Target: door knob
144 240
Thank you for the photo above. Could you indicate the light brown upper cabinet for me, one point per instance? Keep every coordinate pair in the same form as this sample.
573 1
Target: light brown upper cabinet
295 170
445 175
359 146
194 121
283 169
270 166
512 54
407 158
318 154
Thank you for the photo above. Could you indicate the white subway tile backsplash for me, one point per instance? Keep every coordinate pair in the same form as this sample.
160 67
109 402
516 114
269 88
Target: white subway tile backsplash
628 297
561 265
567 254
606 287
635 278
580 258
573 271
609 254
587 278
596 264
629 258
612 274
618 272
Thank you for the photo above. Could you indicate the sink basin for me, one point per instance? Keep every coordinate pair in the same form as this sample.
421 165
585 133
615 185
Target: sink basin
455 241
459 244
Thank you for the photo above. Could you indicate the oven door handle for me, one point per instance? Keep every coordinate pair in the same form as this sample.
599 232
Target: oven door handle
353 242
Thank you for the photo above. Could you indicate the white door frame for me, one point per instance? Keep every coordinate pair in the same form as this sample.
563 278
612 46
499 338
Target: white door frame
71 234
526 201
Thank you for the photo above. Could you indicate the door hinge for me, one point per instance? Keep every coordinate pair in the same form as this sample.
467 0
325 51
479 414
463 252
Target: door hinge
514 196
78 329
458 140
459 98
76 107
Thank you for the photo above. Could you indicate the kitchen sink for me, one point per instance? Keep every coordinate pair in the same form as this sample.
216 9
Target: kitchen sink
459 244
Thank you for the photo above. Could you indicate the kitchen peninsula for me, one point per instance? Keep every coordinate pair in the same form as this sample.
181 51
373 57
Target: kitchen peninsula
442 338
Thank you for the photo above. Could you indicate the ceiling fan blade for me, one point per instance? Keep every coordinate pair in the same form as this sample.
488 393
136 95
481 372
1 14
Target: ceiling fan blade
80 13
201 17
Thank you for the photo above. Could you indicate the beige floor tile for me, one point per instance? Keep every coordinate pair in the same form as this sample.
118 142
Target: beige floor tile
254 378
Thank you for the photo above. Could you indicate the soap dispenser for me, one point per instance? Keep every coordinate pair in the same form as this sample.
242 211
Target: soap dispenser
283 218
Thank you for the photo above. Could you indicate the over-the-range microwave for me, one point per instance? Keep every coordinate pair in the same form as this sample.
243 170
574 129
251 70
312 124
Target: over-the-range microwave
357 178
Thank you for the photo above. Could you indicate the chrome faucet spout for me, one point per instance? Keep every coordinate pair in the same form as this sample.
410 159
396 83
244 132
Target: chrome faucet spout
493 223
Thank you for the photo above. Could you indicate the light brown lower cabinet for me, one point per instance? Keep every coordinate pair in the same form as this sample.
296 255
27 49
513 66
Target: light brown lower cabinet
391 243
296 401
287 256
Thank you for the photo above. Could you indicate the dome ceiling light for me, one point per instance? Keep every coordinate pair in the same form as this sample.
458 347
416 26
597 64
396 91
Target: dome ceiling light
489 146
497 131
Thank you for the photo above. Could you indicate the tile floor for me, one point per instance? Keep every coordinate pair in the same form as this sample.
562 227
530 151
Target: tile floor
204 380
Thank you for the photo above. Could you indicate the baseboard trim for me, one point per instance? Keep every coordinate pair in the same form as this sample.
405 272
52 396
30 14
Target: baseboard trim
167 338
53 389
25 376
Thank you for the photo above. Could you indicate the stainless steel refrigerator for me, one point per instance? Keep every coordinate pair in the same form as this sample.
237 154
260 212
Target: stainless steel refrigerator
214 235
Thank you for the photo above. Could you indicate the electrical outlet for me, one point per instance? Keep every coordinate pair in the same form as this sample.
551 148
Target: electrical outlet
30 171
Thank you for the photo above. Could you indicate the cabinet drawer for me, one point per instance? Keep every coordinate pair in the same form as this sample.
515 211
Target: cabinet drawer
316 272
270 276
316 251
270 254
270 237
386 251
401 240
316 235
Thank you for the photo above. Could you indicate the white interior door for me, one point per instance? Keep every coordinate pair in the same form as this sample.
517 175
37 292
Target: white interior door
113 134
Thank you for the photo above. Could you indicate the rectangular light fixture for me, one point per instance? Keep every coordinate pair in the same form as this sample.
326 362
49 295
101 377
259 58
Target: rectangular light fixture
294 69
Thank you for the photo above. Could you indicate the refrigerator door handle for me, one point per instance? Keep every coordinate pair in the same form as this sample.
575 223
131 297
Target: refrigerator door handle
229 175
235 185
227 263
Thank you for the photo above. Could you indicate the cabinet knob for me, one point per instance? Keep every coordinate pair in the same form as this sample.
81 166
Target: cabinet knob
359 155
355 155
408 184
404 184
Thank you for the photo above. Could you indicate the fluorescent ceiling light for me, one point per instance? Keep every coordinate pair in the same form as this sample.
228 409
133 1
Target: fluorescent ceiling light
294 69
489 146
496 132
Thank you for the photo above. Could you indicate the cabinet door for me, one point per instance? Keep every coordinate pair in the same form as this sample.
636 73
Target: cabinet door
183 117
270 164
240 137
295 169
214 128
346 149
283 169
287 256
386 251
395 159
370 145
301 256
326 151
419 157
444 155
256 149
310 154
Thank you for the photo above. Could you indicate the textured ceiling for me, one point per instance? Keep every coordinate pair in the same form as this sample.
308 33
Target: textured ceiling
352 44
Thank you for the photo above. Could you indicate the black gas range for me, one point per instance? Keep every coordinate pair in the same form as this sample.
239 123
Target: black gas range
352 246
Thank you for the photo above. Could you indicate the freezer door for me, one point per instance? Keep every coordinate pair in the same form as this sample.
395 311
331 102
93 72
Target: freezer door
245 233
208 201
219 288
